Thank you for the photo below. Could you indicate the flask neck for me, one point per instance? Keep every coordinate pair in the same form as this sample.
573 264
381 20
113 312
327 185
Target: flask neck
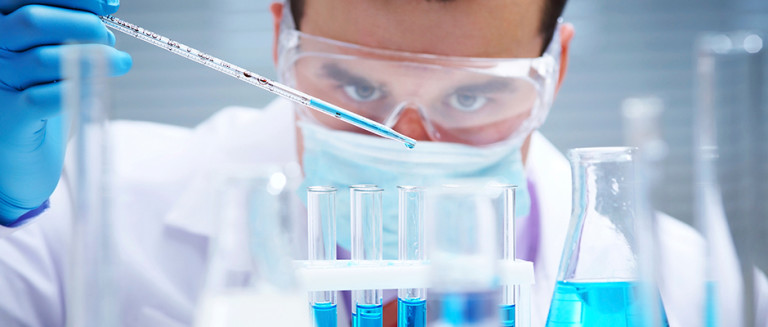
602 217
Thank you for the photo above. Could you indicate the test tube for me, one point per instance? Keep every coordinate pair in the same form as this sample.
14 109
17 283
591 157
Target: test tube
411 302
506 213
366 245
321 231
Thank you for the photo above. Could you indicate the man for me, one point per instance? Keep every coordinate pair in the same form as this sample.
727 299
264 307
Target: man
430 69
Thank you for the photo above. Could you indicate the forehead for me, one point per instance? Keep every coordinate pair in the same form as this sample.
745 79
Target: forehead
468 28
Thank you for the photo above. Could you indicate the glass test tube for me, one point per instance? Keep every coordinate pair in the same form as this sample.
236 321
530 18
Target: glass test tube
366 236
92 300
506 213
321 231
729 175
411 302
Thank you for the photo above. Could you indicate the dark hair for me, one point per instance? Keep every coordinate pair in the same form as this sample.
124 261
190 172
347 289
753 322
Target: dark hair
553 9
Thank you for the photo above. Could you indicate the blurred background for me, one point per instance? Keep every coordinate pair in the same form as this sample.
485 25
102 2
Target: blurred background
621 49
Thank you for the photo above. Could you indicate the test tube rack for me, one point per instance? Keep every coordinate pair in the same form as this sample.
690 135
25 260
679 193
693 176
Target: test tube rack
341 275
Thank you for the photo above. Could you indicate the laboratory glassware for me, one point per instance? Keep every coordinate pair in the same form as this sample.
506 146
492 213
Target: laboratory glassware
462 249
92 299
598 283
642 130
251 276
321 235
411 302
367 228
730 155
255 79
505 212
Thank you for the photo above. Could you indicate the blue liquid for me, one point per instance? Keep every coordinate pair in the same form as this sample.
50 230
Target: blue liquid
597 304
462 309
507 315
360 121
711 303
411 312
324 314
368 315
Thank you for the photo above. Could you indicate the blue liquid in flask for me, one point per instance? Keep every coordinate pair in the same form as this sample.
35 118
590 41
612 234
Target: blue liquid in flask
577 304
324 314
507 313
368 315
411 312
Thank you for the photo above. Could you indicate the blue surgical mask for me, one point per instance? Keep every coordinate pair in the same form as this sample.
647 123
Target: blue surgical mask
339 159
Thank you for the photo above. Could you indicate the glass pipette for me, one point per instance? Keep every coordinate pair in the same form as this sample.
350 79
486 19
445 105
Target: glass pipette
255 79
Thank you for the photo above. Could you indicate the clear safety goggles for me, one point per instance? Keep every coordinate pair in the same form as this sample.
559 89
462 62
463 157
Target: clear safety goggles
476 101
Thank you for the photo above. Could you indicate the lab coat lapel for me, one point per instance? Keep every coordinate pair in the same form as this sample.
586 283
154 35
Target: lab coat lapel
549 170
233 136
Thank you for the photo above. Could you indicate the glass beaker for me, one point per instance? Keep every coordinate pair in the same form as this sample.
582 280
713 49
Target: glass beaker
250 279
598 280
462 249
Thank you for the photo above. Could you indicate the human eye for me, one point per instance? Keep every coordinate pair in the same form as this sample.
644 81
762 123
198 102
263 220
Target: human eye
362 91
467 102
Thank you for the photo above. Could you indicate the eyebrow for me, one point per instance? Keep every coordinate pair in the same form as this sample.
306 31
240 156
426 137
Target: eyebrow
490 86
342 75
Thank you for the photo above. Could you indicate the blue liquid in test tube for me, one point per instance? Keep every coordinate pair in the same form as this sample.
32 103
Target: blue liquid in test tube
324 314
321 232
506 212
507 315
368 315
411 312
411 302
367 227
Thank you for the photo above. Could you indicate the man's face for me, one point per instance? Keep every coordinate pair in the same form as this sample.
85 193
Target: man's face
464 28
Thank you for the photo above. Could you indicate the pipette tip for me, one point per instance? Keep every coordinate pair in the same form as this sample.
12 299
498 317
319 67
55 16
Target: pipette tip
409 142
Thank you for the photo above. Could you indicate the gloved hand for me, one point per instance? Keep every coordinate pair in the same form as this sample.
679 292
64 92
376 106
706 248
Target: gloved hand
33 132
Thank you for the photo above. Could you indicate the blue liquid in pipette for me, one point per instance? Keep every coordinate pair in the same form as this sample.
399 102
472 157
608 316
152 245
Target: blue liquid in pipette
324 314
361 122
368 315
507 313
597 304
411 312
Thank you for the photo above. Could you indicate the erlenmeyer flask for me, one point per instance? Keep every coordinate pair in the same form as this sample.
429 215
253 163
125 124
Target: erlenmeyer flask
598 280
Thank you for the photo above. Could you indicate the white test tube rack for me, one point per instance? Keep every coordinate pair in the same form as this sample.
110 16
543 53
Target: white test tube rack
343 275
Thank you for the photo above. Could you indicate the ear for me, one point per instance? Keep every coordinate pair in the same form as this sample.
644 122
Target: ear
566 34
276 8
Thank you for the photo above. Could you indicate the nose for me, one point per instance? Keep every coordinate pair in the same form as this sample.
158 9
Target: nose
412 125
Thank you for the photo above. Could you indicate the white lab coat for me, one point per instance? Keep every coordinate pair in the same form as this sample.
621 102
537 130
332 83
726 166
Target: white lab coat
164 234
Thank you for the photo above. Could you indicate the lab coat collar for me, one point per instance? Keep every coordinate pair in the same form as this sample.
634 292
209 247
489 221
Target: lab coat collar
233 136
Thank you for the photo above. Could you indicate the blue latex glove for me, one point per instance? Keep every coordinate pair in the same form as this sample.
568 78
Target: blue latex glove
33 131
